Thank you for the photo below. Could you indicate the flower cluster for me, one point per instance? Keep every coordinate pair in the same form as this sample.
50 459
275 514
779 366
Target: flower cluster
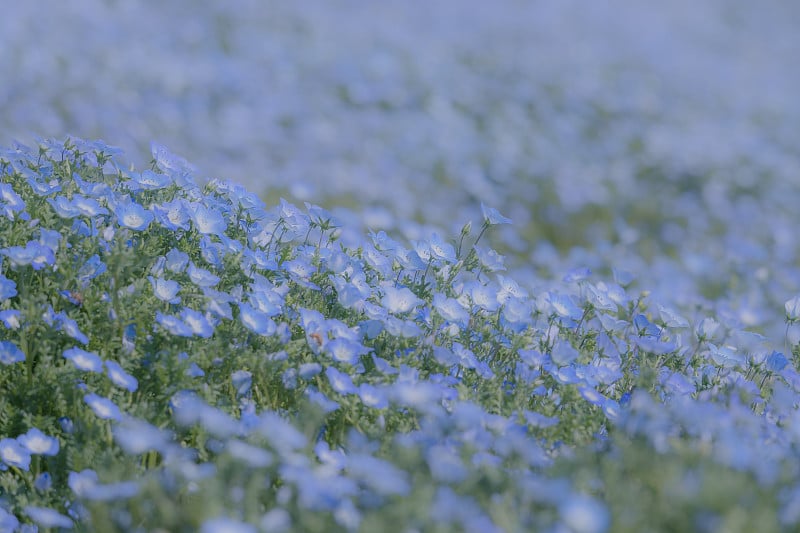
180 356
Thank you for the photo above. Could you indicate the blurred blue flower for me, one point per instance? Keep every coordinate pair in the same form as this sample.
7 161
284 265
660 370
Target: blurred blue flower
10 201
255 320
8 288
10 353
49 518
42 483
197 322
340 382
583 514
83 360
13 453
119 377
492 216
226 525
37 443
242 380
33 253
102 407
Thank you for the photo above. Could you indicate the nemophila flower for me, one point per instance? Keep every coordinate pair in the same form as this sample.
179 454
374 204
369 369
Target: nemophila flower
242 381
88 207
63 207
165 290
346 350
10 353
211 252
653 345
176 260
10 201
14 454
445 464
92 268
399 300
583 514
309 370
226 525
492 216
172 215
132 215
102 407
83 360
577 274
564 306
563 353
450 309
509 288
33 253
490 259
340 382
42 483
49 518
252 456
326 404
276 519
439 249
255 320
136 437
148 180
372 396
671 318
201 277
120 378
207 220
197 322
37 443
8 288
70 327
173 325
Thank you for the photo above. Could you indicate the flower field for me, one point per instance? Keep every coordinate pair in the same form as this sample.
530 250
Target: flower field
418 267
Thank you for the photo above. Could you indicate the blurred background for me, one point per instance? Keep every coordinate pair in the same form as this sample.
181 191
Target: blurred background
659 138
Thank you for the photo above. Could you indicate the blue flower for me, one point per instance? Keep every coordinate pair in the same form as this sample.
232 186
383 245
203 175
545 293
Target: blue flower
372 396
400 300
345 350
133 216
148 180
82 482
34 254
440 249
49 518
102 407
70 327
255 320
176 261
37 443
8 522
201 277
120 378
450 309
226 525
165 290
207 221
42 483
83 360
88 207
10 201
13 453
242 380
584 514
136 436
197 322
340 382
8 288
63 207
172 215
173 325
10 353
492 216
92 268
